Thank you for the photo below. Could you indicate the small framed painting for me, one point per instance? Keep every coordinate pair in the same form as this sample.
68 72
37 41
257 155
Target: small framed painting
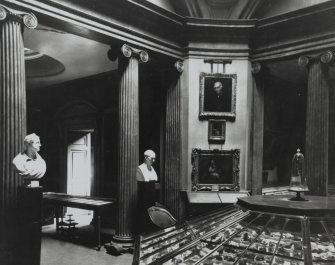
216 131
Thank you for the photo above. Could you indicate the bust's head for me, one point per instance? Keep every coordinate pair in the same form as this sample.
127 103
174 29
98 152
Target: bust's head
149 157
32 143
218 88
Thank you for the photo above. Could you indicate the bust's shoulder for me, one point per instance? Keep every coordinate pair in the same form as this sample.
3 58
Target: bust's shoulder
139 174
142 166
20 156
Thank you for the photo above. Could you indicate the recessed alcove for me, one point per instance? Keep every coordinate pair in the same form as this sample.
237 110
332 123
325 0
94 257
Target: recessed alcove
285 95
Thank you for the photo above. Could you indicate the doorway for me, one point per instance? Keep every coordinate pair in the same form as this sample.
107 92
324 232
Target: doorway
79 163
79 167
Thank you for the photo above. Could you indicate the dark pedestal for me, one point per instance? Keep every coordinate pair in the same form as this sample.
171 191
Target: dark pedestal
29 220
145 199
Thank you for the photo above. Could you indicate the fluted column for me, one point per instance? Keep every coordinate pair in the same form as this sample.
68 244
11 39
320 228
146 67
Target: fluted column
317 122
128 151
172 175
12 100
256 167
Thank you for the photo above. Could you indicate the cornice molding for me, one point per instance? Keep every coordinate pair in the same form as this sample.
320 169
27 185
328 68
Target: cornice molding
297 14
178 37
207 53
84 23
221 23
306 30
219 30
154 9
292 48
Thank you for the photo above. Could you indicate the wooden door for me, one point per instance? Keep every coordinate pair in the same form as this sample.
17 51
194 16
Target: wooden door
79 163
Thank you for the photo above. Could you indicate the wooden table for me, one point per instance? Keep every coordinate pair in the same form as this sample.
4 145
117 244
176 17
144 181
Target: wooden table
60 200
314 206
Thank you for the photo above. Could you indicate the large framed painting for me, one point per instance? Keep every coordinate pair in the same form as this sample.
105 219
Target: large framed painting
217 96
215 170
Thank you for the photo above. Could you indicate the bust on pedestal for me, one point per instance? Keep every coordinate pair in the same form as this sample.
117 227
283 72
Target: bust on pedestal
29 164
146 178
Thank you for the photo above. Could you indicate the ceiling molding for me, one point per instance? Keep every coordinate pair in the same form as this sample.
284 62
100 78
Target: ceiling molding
238 23
207 53
282 35
89 24
294 48
222 9
301 13
157 10
219 30
249 8
193 8
309 29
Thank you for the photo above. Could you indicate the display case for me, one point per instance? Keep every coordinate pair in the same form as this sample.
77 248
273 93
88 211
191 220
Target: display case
246 233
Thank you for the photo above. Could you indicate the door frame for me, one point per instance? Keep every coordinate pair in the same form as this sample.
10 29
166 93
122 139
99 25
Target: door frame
81 116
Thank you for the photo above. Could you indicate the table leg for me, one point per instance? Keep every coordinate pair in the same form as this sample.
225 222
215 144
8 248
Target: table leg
97 227
57 218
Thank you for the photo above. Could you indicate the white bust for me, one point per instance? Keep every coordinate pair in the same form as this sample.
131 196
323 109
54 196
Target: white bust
146 172
29 164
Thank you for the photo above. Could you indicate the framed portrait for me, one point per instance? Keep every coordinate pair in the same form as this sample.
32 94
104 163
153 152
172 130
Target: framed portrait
217 96
216 131
215 170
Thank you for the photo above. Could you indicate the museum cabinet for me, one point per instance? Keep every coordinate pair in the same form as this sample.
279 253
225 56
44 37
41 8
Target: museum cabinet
256 230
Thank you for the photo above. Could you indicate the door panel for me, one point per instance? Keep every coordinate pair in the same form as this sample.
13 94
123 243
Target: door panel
79 167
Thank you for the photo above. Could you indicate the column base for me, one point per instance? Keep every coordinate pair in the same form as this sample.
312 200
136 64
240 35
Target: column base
120 245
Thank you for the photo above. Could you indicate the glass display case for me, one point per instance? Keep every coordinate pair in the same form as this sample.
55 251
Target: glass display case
238 235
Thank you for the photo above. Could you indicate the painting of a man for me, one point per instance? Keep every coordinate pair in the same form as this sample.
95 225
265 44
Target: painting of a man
218 95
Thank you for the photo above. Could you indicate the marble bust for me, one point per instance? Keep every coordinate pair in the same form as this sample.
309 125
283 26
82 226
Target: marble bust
29 164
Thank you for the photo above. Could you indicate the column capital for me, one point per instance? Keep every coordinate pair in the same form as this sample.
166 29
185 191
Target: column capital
179 65
324 57
256 68
129 51
28 19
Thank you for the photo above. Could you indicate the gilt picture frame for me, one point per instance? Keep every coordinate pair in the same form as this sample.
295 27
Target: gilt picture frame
217 96
215 170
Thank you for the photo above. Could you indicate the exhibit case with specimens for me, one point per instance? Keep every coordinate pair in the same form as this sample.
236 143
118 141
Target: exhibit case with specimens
257 230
